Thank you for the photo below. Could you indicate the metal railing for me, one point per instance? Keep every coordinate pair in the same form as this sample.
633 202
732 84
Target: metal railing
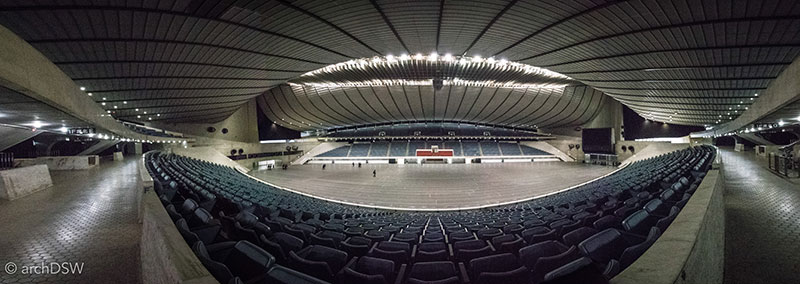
6 160
784 165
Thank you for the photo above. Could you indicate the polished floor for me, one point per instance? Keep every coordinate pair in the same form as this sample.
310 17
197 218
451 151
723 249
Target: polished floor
88 217
762 230
433 186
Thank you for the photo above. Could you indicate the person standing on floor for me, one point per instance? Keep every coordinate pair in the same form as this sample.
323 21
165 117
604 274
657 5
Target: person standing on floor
323 167
374 173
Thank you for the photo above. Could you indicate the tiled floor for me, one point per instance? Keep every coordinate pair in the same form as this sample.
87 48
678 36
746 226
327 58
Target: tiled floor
88 217
762 230
434 186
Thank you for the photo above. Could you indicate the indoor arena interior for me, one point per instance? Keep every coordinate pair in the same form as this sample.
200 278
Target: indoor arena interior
400 141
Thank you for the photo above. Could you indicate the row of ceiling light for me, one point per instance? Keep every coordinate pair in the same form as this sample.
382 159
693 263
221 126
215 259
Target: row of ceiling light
110 112
720 118
64 129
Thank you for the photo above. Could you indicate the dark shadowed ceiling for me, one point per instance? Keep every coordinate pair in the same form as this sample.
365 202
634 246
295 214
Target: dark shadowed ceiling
684 62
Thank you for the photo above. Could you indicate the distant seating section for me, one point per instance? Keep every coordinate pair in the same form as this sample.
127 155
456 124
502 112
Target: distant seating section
151 131
510 149
243 230
338 152
471 148
490 148
398 149
530 151
379 149
360 150
431 129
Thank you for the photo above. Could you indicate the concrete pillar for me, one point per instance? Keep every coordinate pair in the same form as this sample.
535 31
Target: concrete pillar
137 148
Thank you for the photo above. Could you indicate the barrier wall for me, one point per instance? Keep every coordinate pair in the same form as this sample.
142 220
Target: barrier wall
20 182
62 163
692 248
165 255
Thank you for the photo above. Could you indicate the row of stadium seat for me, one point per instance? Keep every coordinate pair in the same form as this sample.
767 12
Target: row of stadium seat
438 129
460 148
246 231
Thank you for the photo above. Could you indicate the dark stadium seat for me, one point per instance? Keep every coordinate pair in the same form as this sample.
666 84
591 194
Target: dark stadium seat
206 233
664 222
438 272
406 237
432 251
630 254
578 271
319 261
377 236
327 238
639 223
508 243
282 275
244 259
539 234
368 270
607 222
460 236
216 268
657 208
432 237
489 233
465 251
399 253
280 244
578 235
356 246
299 230
499 268
605 249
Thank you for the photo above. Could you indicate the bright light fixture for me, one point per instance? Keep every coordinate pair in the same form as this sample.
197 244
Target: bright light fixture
83 88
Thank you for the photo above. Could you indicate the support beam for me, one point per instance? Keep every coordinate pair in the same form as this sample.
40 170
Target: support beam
10 136
27 71
782 91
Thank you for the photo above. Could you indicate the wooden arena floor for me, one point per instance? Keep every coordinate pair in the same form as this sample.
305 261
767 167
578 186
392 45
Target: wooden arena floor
433 186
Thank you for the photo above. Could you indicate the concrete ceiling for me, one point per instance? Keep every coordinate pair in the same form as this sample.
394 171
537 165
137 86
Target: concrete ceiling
20 110
304 107
684 62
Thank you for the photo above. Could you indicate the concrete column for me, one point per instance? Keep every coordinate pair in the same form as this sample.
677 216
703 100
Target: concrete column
137 148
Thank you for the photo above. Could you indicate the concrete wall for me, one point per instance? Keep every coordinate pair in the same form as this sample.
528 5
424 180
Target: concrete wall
692 248
242 126
319 149
547 147
610 115
62 163
562 144
20 182
165 256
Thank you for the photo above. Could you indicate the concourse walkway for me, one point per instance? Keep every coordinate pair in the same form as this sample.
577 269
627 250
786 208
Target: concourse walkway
762 230
87 217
